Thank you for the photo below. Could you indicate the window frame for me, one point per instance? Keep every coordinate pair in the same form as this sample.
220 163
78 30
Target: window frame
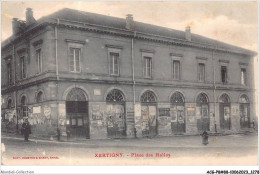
75 46
113 50
176 62
222 68
23 67
243 75
147 54
9 73
39 60
112 72
202 60
203 79
75 59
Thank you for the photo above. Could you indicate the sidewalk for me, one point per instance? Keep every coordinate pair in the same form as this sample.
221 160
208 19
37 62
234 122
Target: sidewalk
241 140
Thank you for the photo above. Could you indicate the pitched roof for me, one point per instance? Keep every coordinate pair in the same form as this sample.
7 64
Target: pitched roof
92 18
109 21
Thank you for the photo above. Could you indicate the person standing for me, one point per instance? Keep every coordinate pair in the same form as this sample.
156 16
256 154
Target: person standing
205 138
26 128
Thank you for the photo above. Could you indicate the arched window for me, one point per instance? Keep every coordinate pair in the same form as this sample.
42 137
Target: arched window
24 106
177 97
114 96
39 97
243 99
9 104
202 99
224 99
148 96
76 94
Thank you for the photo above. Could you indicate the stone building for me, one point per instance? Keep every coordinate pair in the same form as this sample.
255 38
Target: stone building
98 76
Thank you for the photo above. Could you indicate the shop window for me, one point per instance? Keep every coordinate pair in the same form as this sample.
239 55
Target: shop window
24 107
74 58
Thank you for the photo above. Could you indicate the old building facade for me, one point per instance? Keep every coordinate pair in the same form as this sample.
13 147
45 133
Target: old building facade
104 77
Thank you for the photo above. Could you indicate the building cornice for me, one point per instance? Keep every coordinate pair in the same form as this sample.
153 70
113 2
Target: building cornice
27 84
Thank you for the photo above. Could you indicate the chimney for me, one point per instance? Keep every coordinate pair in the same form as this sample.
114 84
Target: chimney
29 16
187 33
16 25
129 22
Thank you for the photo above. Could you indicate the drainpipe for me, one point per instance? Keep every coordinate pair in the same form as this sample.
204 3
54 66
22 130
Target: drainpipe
57 74
133 70
15 92
133 65
214 89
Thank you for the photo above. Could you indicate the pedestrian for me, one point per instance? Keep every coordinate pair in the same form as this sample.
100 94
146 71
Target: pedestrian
26 129
205 138
68 134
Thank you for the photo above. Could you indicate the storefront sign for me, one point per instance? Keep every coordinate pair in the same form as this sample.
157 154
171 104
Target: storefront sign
191 111
36 109
97 115
164 112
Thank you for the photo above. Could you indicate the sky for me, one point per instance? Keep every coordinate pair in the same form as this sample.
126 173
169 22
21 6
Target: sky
231 22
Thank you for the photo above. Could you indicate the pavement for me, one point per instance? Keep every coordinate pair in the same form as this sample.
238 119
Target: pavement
240 149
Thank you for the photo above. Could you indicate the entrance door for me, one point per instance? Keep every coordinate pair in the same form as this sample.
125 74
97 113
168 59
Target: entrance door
202 113
224 112
149 127
244 115
149 113
116 126
244 110
116 121
178 119
177 113
77 114
224 115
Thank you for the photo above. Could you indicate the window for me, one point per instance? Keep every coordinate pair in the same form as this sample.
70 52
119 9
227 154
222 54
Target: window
74 54
114 63
176 70
147 66
39 97
39 60
224 74
243 76
23 67
24 107
9 104
9 73
201 72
